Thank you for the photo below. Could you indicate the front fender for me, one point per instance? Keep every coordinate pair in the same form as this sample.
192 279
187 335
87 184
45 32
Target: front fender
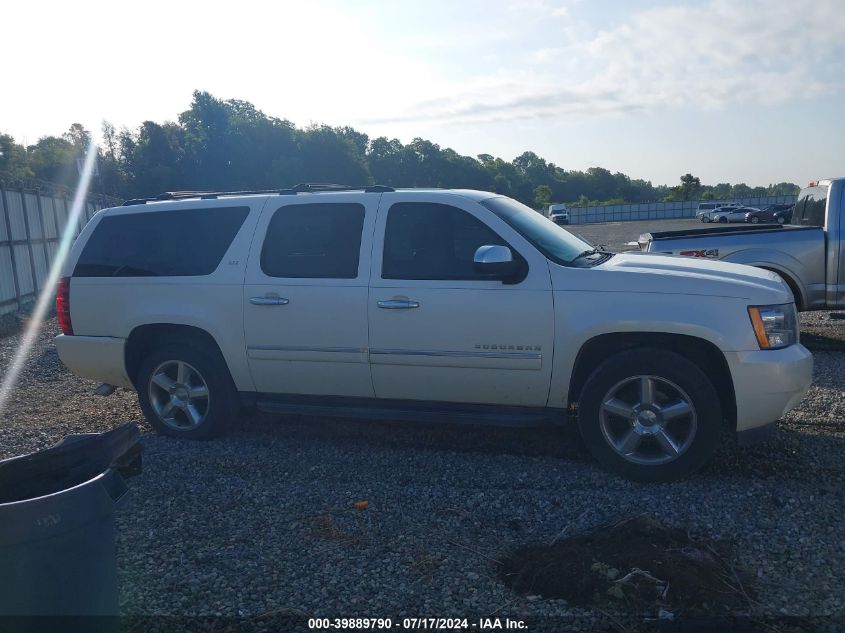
582 316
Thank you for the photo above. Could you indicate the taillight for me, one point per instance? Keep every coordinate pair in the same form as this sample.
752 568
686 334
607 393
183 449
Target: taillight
63 306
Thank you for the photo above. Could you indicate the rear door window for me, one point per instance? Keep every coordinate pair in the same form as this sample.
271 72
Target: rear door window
811 206
179 243
321 240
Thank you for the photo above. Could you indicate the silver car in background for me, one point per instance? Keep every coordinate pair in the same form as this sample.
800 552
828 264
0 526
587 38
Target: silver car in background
706 208
731 214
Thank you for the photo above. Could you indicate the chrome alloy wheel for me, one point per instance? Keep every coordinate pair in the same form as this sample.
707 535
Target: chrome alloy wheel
648 420
179 395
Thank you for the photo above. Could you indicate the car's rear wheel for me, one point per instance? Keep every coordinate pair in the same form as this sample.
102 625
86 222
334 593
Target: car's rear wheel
723 220
755 219
186 391
650 415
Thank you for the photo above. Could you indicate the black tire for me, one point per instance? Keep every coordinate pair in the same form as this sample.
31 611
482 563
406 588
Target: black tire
755 219
668 366
221 405
781 220
723 220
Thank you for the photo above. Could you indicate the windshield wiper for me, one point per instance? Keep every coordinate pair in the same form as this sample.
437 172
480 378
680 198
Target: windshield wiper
592 251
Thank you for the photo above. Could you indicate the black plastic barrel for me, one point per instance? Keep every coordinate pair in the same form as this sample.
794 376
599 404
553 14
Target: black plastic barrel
57 528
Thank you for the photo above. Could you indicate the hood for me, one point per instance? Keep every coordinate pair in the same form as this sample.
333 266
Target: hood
671 274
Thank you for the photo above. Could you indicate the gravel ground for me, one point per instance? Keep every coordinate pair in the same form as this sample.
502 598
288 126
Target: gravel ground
616 235
263 519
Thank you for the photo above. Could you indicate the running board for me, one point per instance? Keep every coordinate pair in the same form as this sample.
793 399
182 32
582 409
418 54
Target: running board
455 414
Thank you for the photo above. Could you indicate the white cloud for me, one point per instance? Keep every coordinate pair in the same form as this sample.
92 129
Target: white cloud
705 56
542 8
721 52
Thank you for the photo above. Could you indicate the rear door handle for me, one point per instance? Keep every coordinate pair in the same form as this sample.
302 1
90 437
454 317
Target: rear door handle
269 301
398 304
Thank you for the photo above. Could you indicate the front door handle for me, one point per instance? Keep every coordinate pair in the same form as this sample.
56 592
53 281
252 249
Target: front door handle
398 304
269 301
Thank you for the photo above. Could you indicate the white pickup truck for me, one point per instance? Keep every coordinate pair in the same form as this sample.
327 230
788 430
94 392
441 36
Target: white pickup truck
425 305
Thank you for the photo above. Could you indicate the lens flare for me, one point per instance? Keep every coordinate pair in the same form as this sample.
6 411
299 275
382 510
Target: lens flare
45 299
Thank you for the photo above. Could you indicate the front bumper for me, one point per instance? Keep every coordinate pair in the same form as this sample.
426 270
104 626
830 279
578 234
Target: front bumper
768 383
99 358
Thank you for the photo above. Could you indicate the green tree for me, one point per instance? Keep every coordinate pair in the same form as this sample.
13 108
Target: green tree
13 159
53 159
79 137
542 197
230 144
329 156
689 189
741 190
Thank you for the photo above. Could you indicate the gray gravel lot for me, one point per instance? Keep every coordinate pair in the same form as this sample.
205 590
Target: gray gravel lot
264 518
616 235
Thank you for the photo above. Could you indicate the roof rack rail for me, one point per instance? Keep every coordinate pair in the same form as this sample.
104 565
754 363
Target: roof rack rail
315 187
206 195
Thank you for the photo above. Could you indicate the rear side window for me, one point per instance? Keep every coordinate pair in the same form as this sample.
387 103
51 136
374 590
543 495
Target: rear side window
433 241
182 243
314 241
811 206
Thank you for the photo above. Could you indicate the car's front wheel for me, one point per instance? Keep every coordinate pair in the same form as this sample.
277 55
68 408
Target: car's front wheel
755 219
781 220
186 391
723 220
650 415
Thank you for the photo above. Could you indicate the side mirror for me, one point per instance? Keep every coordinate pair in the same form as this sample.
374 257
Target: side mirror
496 262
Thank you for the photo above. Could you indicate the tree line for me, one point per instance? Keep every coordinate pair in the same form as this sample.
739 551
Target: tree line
231 145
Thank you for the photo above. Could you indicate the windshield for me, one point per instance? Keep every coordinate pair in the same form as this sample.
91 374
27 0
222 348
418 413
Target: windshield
558 244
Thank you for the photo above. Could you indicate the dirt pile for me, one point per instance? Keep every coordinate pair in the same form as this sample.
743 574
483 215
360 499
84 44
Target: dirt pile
637 564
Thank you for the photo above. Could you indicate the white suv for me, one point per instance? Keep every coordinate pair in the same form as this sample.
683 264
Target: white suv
413 304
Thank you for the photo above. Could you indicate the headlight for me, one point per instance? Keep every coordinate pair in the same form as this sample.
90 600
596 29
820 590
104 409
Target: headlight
774 326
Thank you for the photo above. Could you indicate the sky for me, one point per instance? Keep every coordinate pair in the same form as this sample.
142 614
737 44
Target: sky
730 90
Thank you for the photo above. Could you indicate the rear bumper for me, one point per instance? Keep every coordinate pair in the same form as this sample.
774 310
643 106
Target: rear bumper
767 384
99 358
